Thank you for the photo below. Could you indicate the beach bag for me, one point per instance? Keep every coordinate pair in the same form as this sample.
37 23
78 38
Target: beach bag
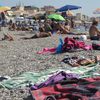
71 44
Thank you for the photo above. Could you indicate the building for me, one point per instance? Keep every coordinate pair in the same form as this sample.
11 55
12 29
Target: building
48 8
78 16
14 8
83 17
98 18
24 10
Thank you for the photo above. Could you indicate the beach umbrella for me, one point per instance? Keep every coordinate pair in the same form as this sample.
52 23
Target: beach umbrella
97 11
56 17
4 8
68 7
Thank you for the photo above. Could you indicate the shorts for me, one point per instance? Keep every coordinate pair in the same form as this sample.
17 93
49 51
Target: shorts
95 38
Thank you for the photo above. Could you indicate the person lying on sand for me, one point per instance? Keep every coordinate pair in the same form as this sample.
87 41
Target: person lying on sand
39 35
7 37
94 32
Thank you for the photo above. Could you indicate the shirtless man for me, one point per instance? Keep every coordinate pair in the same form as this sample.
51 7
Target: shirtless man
64 29
94 32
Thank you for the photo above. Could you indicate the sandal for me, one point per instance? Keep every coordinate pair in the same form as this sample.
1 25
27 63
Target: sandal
85 62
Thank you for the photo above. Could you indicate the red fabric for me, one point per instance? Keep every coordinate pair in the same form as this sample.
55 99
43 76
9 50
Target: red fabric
70 43
82 89
47 50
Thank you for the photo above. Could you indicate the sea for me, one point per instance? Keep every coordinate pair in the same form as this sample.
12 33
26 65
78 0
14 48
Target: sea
82 29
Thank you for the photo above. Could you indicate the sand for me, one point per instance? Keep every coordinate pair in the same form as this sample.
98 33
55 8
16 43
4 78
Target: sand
20 56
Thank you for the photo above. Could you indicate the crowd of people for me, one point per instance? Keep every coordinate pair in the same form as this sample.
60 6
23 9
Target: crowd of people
48 27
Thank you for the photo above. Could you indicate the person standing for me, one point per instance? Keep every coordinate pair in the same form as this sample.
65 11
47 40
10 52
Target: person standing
3 18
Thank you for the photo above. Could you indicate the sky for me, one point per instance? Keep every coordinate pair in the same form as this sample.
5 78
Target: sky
88 6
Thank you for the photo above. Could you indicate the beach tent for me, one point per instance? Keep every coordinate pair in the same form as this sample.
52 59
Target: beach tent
56 17
68 7
97 11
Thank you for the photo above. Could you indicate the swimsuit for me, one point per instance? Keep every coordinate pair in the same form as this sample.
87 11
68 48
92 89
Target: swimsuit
94 38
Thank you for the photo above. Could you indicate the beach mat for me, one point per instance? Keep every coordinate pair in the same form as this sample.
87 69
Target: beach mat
28 78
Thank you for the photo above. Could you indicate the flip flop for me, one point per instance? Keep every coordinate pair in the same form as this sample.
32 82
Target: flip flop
84 62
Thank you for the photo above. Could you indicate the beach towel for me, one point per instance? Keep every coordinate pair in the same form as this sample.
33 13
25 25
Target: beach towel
31 78
54 79
74 89
47 50
69 44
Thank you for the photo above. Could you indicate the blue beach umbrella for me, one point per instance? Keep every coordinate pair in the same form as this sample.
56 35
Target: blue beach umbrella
68 7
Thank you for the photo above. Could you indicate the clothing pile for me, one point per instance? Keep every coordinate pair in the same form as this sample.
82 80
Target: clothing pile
72 44
69 45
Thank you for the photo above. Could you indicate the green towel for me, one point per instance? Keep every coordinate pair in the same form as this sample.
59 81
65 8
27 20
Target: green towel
38 77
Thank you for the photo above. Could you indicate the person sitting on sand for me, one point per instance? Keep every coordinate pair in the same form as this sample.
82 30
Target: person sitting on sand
67 26
7 37
94 32
47 27
63 29
12 27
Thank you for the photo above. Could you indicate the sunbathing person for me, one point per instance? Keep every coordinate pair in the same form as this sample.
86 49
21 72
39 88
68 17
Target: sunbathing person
63 29
12 27
8 37
39 35
94 32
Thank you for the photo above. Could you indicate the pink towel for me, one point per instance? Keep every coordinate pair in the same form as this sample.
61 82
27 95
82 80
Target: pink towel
88 47
47 50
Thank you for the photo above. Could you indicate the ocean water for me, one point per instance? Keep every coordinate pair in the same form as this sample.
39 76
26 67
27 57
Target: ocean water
82 29
99 26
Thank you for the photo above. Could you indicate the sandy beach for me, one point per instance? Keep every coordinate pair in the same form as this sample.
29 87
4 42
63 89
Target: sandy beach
49 50
20 56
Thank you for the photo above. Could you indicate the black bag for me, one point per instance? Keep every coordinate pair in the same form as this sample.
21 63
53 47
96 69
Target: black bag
96 46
